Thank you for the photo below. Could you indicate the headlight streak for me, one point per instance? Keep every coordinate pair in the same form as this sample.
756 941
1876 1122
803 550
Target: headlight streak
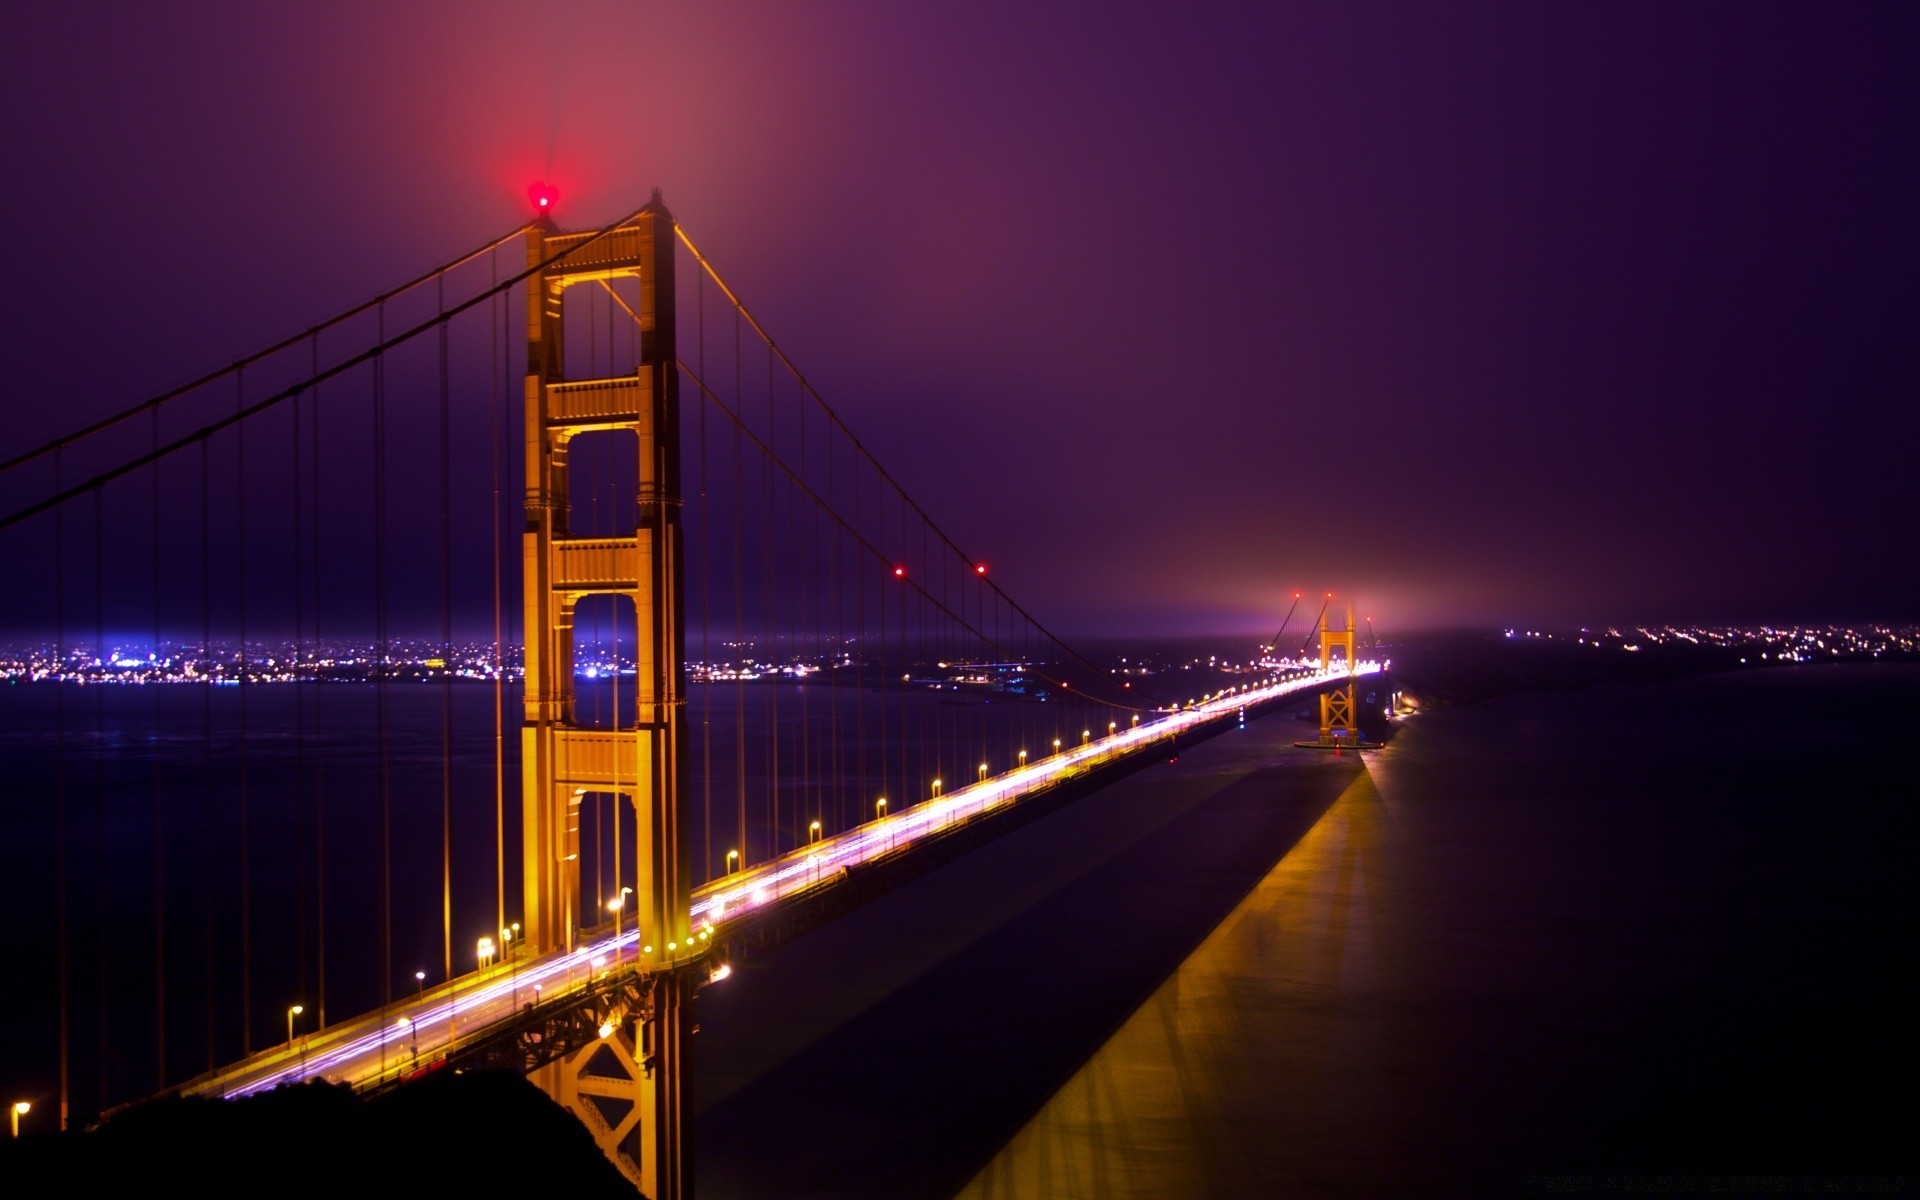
385 1049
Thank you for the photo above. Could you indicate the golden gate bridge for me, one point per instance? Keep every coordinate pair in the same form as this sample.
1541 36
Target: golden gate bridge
737 680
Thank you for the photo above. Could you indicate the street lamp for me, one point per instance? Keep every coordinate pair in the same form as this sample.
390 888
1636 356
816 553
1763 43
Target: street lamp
483 952
983 772
880 809
936 789
1056 745
293 1012
614 906
420 983
20 1109
414 1031
733 861
813 833
1023 760
1086 735
1111 726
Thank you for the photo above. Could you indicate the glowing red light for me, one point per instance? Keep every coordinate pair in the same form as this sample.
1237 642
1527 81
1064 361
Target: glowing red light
544 196
899 572
979 568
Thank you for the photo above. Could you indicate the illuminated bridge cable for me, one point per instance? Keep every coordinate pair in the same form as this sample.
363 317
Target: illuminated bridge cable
1275 644
910 579
813 394
63 495
1315 627
184 389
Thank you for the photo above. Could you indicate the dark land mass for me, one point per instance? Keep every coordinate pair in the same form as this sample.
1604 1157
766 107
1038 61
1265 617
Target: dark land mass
490 1127
1466 667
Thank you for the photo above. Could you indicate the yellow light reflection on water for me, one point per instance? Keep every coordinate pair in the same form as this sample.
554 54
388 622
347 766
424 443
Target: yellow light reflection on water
1185 1098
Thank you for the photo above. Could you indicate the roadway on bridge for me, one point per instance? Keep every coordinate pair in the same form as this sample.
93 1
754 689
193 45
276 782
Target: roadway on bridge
412 1034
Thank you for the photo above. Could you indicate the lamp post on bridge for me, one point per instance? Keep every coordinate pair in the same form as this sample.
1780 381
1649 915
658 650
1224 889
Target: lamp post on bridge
616 906
20 1109
293 1012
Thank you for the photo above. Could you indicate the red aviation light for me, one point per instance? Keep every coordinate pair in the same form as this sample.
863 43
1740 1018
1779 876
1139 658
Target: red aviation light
544 196
899 572
979 568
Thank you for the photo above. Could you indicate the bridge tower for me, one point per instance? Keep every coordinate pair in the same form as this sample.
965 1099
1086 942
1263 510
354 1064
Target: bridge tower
1339 726
626 1089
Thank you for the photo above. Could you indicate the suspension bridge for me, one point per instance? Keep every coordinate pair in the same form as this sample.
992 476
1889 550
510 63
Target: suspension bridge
470 678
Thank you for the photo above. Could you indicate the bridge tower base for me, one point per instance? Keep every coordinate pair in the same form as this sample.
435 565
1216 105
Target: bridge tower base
613 1087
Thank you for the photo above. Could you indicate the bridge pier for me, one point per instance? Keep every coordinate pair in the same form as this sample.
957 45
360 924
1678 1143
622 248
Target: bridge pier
625 1088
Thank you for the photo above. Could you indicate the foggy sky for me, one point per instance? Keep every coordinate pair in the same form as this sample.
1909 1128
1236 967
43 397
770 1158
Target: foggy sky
1483 313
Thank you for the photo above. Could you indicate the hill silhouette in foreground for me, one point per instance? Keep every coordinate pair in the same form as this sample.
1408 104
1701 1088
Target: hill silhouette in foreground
491 1128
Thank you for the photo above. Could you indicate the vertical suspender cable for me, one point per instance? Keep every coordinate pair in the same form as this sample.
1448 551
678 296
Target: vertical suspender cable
446 644
299 805
706 586
500 678
772 624
739 621
380 661
206 737
319 731
60 777
159 799
100 792
240 598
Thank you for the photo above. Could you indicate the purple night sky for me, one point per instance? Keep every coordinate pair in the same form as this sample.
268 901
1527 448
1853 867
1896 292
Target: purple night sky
1493 313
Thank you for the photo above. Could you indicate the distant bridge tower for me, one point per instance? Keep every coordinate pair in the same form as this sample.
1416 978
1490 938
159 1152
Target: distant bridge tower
1339 727
632 1105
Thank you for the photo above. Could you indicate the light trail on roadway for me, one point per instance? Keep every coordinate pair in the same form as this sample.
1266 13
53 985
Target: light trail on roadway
396 1040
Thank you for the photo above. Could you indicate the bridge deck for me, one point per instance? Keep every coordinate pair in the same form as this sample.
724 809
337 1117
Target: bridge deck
413 1034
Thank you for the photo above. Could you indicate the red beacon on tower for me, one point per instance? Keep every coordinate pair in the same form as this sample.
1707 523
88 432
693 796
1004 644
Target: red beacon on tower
544 196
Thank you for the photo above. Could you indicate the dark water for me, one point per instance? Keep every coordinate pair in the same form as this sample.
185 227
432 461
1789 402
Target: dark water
201 821
1630 938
